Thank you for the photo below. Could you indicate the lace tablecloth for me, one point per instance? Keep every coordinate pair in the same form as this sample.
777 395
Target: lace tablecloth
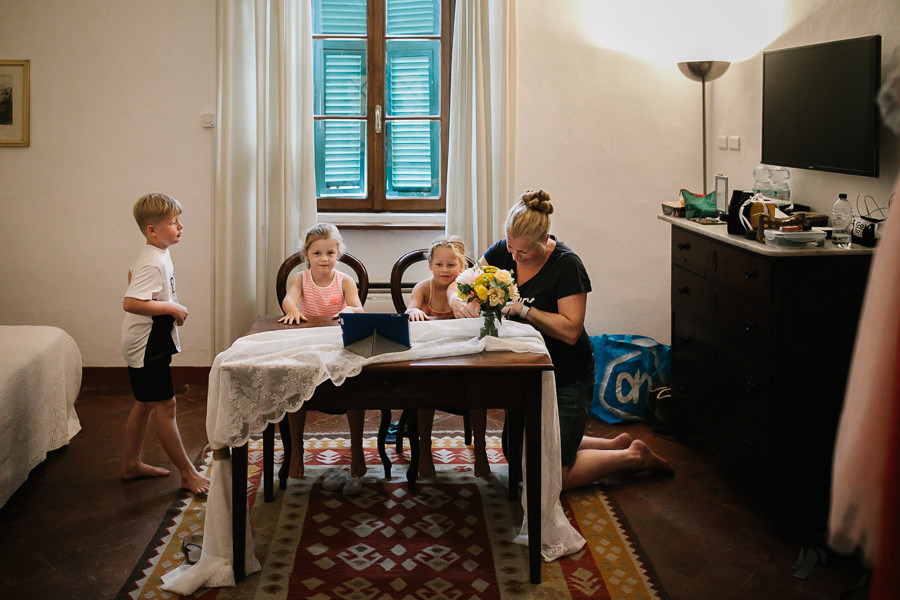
263 376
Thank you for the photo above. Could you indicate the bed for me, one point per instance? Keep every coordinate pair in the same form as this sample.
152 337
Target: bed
40 375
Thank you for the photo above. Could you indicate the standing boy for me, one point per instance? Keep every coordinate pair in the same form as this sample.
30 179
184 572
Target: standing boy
150 338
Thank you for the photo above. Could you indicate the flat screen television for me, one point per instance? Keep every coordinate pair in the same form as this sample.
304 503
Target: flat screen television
819 106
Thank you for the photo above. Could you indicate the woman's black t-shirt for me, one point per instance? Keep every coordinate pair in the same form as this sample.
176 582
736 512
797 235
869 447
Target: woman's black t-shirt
561 276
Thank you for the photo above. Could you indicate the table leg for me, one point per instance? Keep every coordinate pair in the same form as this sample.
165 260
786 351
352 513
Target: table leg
239 509
533 473
268 462
412 473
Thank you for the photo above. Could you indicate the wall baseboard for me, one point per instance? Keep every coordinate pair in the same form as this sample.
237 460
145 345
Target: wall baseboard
118 376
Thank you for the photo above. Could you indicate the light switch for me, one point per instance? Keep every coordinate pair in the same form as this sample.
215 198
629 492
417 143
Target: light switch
723 142
208 120
734 142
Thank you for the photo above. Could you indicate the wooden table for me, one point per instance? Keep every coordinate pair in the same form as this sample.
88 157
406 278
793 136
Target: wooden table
458 381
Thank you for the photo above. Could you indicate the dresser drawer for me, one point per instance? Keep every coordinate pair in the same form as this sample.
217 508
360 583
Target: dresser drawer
744 423
694 296
690 251
744 273
732 317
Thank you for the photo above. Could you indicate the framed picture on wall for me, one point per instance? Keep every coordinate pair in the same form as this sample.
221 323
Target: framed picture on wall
14 102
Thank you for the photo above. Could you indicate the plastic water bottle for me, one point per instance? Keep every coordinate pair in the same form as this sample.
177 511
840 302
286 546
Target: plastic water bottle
781 190
762 180
841 222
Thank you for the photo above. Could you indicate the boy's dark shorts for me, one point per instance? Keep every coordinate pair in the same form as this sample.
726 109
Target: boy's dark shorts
152 382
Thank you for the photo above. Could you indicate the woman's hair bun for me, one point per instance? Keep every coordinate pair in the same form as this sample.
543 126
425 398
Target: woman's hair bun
538 200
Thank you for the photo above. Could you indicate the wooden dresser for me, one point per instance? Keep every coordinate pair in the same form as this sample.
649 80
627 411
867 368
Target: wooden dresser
761 345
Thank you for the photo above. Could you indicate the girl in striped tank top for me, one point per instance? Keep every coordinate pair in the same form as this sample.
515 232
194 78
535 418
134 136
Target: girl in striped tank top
323 291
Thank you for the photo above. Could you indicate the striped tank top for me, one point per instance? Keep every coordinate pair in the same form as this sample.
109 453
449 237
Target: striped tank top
325 301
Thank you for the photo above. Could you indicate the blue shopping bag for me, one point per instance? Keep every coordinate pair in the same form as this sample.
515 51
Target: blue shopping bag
627 367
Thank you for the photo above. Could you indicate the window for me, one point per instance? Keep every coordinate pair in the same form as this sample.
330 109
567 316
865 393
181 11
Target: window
382 103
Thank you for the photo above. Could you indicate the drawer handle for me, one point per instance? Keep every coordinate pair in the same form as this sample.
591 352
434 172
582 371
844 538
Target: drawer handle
749 326
749 387
683 289
751 273
715 260
684 246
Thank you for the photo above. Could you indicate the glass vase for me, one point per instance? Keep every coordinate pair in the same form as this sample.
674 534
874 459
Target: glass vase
489 326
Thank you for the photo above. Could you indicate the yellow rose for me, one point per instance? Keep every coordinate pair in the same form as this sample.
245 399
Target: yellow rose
483 280
504 277
489 269
481 292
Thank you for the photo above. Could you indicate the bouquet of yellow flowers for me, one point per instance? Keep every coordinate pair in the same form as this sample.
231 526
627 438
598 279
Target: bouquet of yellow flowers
492 288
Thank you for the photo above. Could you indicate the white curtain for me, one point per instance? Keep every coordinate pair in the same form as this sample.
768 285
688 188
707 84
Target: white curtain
481 159
265 162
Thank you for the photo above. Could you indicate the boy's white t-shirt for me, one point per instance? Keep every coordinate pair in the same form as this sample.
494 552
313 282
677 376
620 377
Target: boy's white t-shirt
152 278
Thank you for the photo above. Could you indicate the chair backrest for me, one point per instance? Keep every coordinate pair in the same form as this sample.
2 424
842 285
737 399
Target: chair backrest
400 267
296 259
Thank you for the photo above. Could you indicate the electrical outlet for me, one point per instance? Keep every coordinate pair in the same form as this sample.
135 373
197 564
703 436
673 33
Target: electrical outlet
734 142
208 120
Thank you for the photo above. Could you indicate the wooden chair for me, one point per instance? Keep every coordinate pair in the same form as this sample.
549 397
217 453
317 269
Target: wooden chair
296 259
399 268
362 283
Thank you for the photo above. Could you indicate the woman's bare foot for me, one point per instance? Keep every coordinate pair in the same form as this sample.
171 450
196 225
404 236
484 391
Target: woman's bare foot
143 470
647 460
482 466
195 482
426 465
296 469
620 442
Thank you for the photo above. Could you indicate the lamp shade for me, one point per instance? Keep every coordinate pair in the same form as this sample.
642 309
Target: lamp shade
704 70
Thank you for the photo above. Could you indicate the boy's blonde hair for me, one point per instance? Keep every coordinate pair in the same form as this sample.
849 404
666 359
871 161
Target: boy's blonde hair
323 231
529 218
454 243
153 208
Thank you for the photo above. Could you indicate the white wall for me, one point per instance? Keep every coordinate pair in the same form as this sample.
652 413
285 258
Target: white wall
117 90
736 104
118 87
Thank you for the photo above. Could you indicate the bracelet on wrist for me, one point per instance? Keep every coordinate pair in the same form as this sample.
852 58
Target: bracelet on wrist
524 312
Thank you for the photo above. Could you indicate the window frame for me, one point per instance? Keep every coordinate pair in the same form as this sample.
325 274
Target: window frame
376 178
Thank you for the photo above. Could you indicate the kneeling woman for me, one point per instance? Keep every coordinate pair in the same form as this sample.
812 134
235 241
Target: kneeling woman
553 285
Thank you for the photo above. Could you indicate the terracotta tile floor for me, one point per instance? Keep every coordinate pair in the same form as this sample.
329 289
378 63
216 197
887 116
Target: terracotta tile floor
74 530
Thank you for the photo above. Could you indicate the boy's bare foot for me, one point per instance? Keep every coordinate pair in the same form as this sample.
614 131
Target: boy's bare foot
426 465
296 470
482 466
195 482
143 470
647 460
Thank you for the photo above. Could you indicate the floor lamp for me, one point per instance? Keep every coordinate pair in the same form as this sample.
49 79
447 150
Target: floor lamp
703 71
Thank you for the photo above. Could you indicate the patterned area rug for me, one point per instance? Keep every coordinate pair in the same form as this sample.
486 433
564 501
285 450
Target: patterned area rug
451 539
